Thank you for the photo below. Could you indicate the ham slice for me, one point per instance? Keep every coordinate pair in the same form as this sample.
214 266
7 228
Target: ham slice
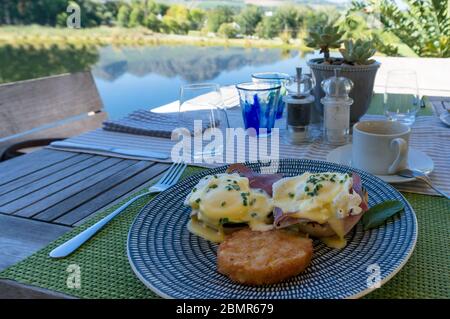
256 180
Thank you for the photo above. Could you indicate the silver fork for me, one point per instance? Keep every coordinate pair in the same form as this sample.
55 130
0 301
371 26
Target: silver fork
172 175
408 173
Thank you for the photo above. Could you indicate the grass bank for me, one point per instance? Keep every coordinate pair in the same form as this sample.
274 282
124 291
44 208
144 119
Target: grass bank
47 36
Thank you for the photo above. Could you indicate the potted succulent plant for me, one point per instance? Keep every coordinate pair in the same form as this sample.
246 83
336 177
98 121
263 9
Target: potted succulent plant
355 64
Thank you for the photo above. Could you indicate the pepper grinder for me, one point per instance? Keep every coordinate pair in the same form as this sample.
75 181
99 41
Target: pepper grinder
336 107
299 103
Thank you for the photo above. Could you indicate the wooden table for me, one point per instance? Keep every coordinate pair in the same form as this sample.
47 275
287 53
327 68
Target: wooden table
46 193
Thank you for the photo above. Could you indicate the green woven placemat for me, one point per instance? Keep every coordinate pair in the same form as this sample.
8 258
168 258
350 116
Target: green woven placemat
105 272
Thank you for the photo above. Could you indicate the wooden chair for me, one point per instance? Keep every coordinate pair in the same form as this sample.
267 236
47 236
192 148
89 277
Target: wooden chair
36 112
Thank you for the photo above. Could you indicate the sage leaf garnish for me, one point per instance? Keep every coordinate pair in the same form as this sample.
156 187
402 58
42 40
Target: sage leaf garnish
379 213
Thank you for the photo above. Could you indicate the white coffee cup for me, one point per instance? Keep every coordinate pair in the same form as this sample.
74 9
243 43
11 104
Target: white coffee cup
380 147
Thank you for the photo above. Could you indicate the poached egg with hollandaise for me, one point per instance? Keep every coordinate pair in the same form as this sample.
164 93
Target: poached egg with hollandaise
322 198
223 200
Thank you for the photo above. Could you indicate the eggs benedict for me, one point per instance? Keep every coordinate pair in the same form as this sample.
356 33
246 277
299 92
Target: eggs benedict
224 202
324 205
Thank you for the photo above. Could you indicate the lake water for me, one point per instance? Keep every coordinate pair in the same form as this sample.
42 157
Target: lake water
130 78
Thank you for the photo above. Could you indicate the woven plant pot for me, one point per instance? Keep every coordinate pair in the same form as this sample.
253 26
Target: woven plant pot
362 76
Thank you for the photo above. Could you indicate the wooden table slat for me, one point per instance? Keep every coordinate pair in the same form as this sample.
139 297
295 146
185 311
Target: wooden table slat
27 164
34 204
20 237
100 202
41 174
105 185
47 185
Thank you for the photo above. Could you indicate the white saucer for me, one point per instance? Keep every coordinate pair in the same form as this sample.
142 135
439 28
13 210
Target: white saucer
417 160
445 118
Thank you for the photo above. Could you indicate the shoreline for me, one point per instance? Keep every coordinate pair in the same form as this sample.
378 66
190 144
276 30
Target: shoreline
37 36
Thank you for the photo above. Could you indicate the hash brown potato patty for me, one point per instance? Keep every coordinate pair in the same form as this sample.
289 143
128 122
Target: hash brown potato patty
258 258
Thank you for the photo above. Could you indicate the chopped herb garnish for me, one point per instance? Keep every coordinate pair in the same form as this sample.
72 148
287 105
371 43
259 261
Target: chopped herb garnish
253 201
231 187
194 190
306 189
213 186
198 200
253 214
224 220
223 204
245 198
291 195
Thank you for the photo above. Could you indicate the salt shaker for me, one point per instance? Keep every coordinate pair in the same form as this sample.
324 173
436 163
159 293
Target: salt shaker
336 108
299 103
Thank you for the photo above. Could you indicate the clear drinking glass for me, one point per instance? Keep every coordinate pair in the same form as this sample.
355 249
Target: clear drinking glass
401 96
276 78
259 102
203 104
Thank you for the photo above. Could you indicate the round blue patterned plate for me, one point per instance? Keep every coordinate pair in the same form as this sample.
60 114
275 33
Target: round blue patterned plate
173 263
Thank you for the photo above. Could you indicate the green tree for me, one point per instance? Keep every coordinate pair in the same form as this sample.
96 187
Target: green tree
218 16
163 8
197 18
267 28
151 7
123 16
137 16
424 25
176 19
288 18
61 19
249 18
152 22
228 30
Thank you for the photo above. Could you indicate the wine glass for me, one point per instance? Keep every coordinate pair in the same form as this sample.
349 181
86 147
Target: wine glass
202 112
401 96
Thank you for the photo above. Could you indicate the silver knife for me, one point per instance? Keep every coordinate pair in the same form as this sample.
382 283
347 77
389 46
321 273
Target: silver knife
115 150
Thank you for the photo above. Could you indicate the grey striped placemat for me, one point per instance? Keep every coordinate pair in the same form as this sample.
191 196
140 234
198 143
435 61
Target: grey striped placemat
145 122
427 136
440 104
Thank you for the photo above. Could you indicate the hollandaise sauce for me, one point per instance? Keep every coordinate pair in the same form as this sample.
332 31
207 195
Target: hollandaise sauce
321 198
227 199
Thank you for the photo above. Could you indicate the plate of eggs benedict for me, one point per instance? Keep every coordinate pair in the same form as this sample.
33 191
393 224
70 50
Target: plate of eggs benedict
294 232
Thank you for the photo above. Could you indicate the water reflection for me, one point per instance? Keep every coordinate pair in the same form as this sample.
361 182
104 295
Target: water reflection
191 63
129 78
27 62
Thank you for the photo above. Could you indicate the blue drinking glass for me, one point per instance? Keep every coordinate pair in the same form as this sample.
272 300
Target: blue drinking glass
276 78
259 102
